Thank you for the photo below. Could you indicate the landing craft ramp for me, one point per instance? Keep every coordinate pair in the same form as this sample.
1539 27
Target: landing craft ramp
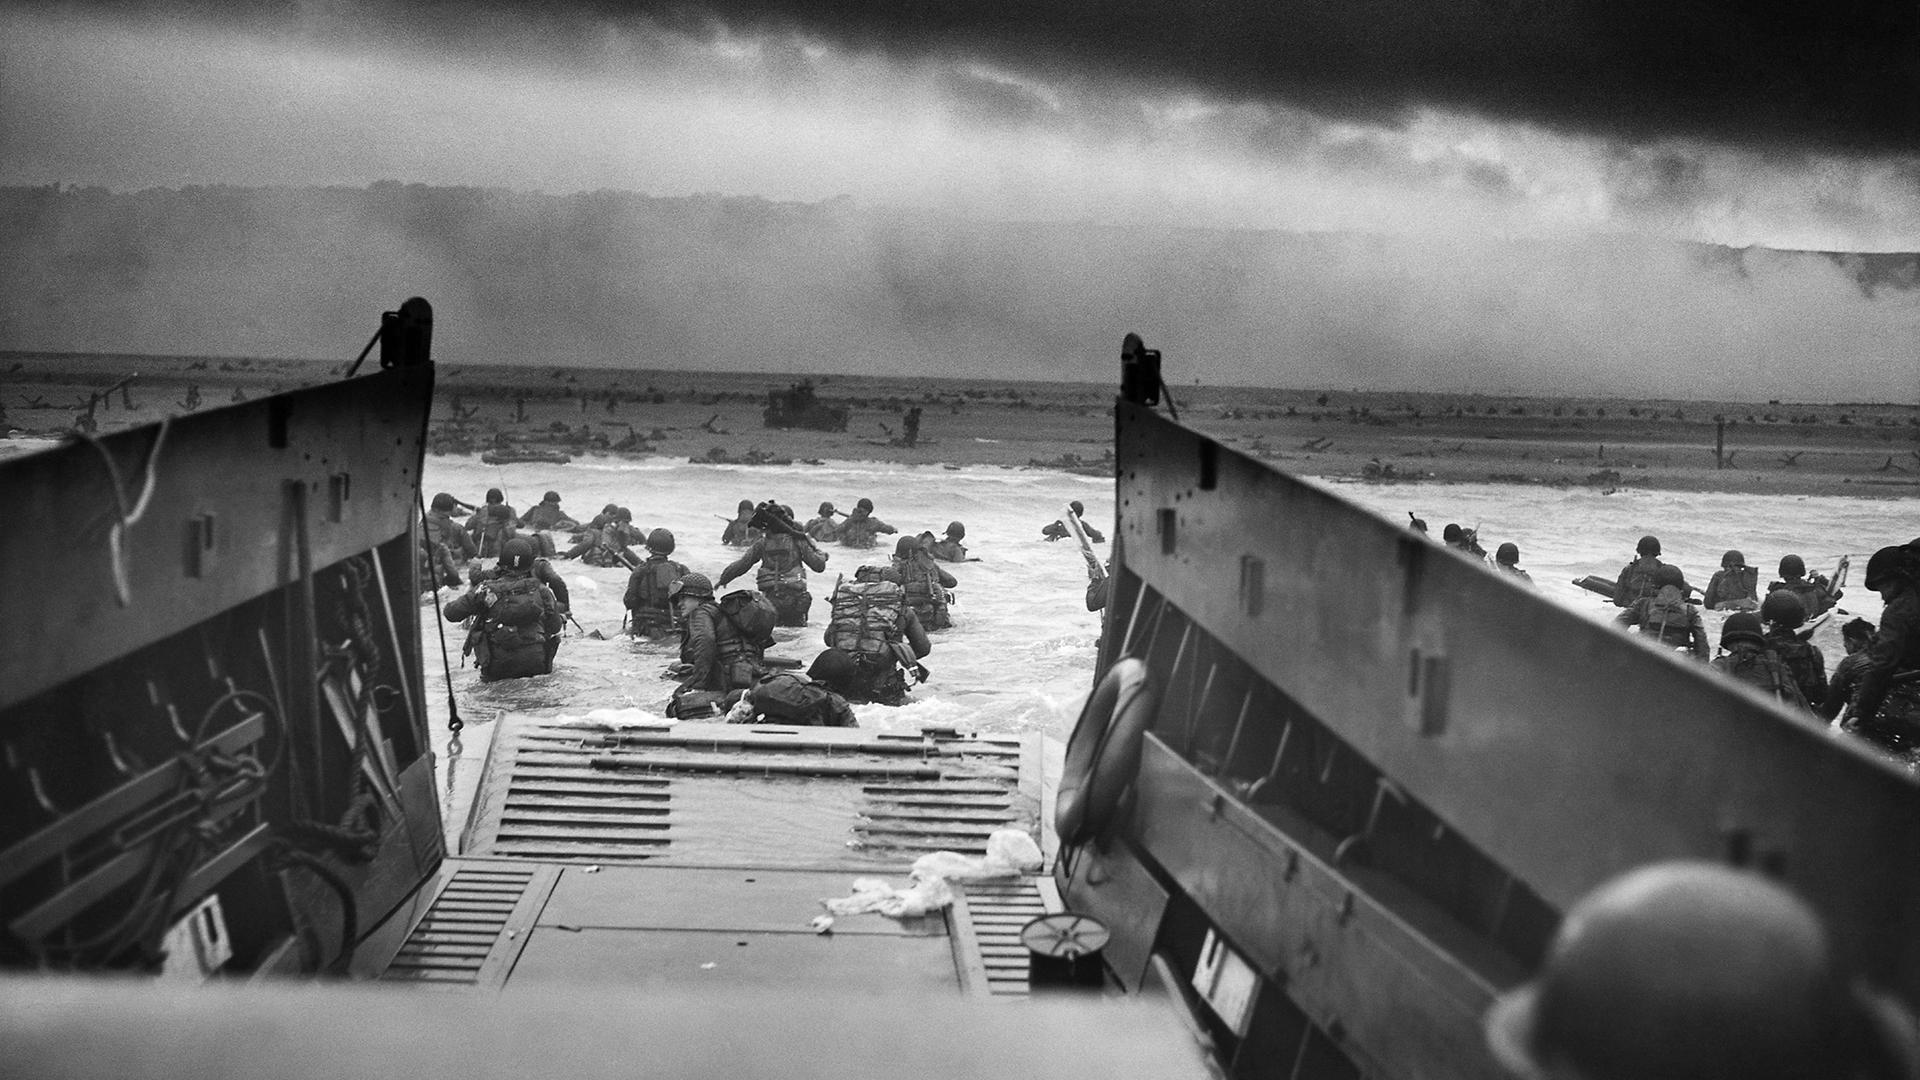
698 854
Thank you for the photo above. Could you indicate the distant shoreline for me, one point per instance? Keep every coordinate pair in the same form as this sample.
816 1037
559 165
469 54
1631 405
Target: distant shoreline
1868 451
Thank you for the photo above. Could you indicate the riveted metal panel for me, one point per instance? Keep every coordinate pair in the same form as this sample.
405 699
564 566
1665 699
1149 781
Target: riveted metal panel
1564 750
353 448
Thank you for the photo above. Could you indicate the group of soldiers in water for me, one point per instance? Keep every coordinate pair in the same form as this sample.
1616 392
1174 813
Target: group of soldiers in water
877 623
1874 691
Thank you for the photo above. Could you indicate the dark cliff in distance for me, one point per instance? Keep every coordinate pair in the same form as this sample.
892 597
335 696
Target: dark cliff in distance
749 284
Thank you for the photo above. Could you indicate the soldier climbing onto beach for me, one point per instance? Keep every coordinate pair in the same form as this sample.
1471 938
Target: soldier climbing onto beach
648 598
1057 530
785 554
1783 615
1666 615
861 526
1746 655
517 620
1636 578
1815 594
1732 586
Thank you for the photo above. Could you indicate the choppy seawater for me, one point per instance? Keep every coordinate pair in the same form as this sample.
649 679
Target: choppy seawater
1020 655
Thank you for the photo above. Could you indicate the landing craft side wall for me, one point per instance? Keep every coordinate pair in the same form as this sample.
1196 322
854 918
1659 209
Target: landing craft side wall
1562 749
353 450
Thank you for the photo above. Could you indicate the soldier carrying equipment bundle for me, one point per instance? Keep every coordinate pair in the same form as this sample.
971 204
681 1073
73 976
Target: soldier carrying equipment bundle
752 614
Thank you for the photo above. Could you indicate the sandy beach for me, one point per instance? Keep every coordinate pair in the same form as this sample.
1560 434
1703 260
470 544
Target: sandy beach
1865 450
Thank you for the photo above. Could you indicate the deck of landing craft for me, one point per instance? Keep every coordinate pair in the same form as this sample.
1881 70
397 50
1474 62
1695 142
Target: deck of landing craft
697 855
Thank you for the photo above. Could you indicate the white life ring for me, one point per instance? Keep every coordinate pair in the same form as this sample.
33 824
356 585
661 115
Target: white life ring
1103 754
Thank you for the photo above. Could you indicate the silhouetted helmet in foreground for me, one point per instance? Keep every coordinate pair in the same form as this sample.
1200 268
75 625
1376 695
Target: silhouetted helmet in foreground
1670 575
1451 534
516 554
1783 608
827 510
444 501
1742 626
660 542
905 546
495 495
956 531
1078 510
1648 545
698 585
1885 566
864 504
551 496
1792 566
1694 970
746 504
1508 554
1732 560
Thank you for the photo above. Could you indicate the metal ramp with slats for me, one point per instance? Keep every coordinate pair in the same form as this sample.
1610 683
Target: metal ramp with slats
715 794
698 854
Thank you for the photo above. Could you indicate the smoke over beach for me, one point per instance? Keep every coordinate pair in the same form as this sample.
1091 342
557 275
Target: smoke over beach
747 284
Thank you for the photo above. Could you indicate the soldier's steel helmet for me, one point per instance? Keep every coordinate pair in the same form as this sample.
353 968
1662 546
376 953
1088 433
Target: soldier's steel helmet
698 585
1684 969
1784 608
516 554
1742 626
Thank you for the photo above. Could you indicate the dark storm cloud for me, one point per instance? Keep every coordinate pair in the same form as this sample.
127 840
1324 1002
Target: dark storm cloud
1820 75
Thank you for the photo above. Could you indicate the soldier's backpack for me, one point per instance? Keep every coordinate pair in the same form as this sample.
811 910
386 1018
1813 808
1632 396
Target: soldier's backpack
1760 667
752 614
517 602
1638 580
1803 661
866 617
655 577
1670 618
789 698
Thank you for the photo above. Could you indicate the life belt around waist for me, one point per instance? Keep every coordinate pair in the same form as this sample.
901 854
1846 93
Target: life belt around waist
1103 753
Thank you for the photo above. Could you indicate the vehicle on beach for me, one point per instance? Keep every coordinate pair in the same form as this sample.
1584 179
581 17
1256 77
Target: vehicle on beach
1328 796
799 407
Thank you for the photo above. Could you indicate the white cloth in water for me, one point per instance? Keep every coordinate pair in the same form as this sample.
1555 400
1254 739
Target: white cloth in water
1009 852
873 894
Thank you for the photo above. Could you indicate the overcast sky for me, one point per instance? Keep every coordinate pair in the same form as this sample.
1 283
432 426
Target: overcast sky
1759 121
